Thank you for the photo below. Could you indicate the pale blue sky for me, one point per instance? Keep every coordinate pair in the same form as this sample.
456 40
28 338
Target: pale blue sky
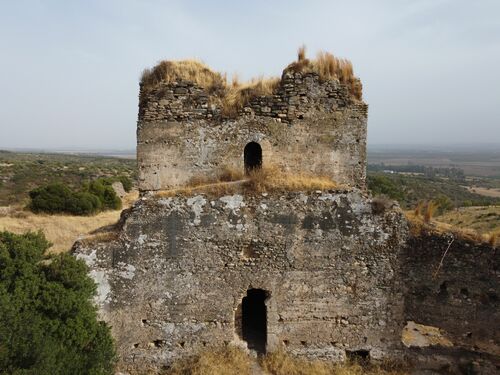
69 70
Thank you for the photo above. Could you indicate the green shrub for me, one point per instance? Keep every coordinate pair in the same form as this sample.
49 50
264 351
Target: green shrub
48 324
443 203
126 182
96 196
53 198
382 185
105 192
85 203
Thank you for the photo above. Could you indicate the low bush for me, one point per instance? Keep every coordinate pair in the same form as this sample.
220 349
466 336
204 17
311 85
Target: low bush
55 198
382 185
105 193
48 324
52 198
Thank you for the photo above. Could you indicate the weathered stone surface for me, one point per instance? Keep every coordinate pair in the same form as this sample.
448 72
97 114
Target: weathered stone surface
174 280
337 274
462 298
185 135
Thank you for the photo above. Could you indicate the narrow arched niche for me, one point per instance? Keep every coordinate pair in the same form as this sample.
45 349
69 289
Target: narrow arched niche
252 156
251 320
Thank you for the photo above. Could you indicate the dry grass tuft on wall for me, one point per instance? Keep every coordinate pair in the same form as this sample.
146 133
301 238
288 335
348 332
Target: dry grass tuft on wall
235 95
328 67
280 363
238 95
185 70
273 179
223 361
230 180
234 361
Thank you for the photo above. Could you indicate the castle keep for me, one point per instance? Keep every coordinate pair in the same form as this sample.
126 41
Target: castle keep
183 131
321 273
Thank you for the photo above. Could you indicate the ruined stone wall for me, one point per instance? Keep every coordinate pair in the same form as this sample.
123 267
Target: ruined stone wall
307 126
174 280
462 298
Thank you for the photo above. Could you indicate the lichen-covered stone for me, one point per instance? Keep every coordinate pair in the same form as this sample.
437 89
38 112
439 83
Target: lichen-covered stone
181 134
176 276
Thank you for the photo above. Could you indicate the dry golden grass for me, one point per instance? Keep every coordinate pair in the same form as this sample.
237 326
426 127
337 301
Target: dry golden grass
430 209
238 95
234 96
280 363
225 361
493 239
270 179
481 219
186 70
328 67
61 230
230 360
419 226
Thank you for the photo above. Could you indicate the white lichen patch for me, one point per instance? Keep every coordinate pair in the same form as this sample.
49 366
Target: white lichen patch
196 203
89 259
165 201
233 202
127 271
329 197
103 287
142 239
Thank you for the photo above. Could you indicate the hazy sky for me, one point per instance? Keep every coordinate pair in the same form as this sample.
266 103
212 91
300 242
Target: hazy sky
69 69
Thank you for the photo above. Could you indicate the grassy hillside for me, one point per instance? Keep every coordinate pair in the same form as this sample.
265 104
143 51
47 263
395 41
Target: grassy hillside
408 190
22 172
481 219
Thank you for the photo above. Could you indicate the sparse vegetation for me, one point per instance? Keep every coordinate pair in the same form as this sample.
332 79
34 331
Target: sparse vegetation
380 204
280 363
269 179
409 190
48 324
185 70
219 361
419 226
239 95
272 179
328 67
233 361
234 95
481 219
429 210
23 172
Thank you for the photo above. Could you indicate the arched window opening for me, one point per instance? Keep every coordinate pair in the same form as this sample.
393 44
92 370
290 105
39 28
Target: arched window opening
252 157
254 320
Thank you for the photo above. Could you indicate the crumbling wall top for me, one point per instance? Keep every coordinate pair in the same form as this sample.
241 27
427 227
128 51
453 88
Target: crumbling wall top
185 90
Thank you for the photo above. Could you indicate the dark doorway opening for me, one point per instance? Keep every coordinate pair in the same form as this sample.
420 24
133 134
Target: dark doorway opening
362 356
254 320
252 157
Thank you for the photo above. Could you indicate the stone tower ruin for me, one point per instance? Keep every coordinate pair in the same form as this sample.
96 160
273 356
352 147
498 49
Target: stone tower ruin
316 273
183 131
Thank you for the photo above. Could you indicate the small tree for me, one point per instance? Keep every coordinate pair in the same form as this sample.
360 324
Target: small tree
443 203
53 198
105 192
48 324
